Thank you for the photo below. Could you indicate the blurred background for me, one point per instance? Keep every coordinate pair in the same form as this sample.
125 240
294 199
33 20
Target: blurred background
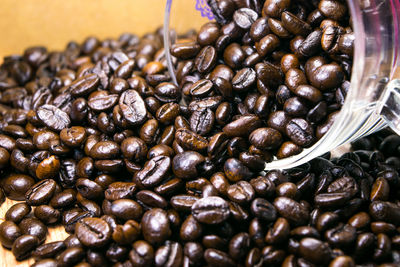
53 23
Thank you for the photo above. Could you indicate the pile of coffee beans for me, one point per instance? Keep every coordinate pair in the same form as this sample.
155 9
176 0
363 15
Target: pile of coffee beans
273 72
142 172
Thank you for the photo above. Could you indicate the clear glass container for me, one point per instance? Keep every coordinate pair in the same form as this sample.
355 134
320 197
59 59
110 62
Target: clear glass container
373 101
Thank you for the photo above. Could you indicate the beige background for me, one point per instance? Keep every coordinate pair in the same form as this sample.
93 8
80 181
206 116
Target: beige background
53 23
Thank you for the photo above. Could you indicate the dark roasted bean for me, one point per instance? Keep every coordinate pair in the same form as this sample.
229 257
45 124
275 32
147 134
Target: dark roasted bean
210 210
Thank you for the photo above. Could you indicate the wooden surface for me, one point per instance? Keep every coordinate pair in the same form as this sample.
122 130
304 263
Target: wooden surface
7 259
53 23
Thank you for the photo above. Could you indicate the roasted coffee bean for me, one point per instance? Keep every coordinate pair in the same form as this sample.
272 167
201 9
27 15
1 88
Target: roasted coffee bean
190 229
294 24
332 9
233 55
32 226
47 214
155 226
259 29
383 228
15 186
151 199
63 199
235 170
70 256
300 132
54 118
49 250
216 257
206 59
123 209
23 246
9 232
279 232
265 138
245 17
341 236
291 210
17 212
119 190
41 193
380 190
210 210
93 232
171 254
242 126
142 254
132 107
241 192
73 136
314 250
185 50
269 74
190 140
153 172
262 209
104 150
274 8
202 121
89 189
243 79
385 211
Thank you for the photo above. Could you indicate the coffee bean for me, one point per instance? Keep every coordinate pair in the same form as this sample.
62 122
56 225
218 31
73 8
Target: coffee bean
243 79
245 17
17 212
380 190
70 256
93 232
184 165
153 172
202 121
142 254
332 9
274 8
242 192
132 107
49 250
84 85
295 25
210 210
185 50
291 210
54 118
300 132
123 209
217 258
263 209
23 246
127 233
206 59
315 250
9 232
384 211
190 140
41 192
119 190
155 226
47 214
234 55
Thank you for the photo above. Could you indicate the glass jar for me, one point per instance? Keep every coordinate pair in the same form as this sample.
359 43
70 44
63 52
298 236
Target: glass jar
373 101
